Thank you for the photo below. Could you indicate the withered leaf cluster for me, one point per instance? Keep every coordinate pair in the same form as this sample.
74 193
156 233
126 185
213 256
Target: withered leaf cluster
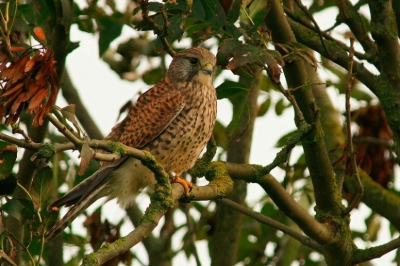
29 83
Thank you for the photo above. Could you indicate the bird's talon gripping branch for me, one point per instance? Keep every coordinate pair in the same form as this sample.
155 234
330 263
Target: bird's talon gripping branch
187 186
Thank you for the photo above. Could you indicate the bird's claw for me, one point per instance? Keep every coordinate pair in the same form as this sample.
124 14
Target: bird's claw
187 186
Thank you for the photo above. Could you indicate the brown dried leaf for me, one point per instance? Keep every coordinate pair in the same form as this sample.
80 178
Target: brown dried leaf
31 63
3 57
37 99
38 119
33 87
11 99
1 112
69 113
86 157
17 103
13 90
52 99
17 48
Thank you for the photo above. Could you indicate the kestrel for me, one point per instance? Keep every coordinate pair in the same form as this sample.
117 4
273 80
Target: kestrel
173 120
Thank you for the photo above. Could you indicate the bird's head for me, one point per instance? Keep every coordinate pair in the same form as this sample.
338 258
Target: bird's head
193 64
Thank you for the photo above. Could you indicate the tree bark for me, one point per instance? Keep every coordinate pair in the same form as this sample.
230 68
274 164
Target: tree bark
227 234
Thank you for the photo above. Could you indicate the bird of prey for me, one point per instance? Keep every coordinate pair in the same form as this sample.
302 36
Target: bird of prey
173 120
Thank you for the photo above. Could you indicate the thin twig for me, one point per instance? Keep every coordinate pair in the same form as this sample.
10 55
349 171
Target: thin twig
308 25
350 148
64 130
6 258
363 255
270 222
191 233
18 130
6 40
161 32
22 246
308 14
287 93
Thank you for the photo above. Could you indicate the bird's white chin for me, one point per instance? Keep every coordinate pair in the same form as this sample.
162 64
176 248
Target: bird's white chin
203 78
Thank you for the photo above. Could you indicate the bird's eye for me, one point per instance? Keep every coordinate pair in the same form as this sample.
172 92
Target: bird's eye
193 61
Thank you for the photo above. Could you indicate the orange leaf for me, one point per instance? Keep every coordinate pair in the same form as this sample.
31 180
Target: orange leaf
3 57
16 88
38 119
39 33
10 100
31 63
20 65
37 99
1 112
52 99
8 73
17 103
17 48
33 87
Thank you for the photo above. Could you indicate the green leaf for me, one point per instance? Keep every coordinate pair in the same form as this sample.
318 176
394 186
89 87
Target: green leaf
214 13
110 29
220 136
229 88
175 31
225 51
41 186
258 10
86 25
279 107
245 54
8 185
240 120
20 209
8 157
263 108
28 12
283 140
234 11
197 10
153 76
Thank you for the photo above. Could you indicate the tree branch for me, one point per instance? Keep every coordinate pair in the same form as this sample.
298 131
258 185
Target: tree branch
374 252
271 222
350 16
337 55
350 149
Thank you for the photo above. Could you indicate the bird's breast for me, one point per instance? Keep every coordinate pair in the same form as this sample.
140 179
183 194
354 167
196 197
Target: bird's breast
178 147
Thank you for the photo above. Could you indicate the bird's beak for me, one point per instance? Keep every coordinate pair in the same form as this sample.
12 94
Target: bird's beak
207 68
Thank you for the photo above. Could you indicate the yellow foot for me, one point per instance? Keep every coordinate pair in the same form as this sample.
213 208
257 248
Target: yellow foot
187 186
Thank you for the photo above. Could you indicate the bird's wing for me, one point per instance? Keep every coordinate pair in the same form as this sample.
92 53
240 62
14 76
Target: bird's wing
149 117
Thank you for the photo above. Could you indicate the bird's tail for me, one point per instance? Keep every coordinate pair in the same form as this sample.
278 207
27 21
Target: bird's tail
75 210
81 197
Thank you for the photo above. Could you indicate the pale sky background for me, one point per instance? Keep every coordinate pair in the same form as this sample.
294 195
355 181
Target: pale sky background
93 79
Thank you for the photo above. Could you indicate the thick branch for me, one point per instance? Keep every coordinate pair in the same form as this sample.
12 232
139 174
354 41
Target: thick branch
350 16
336 54
375 252
283 200
381 200
313 143
384 31
271 222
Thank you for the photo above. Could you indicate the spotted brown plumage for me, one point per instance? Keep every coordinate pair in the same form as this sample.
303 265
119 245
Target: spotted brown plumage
173 120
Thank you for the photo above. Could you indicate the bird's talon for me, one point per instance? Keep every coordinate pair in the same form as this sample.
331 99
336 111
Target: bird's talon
187 186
